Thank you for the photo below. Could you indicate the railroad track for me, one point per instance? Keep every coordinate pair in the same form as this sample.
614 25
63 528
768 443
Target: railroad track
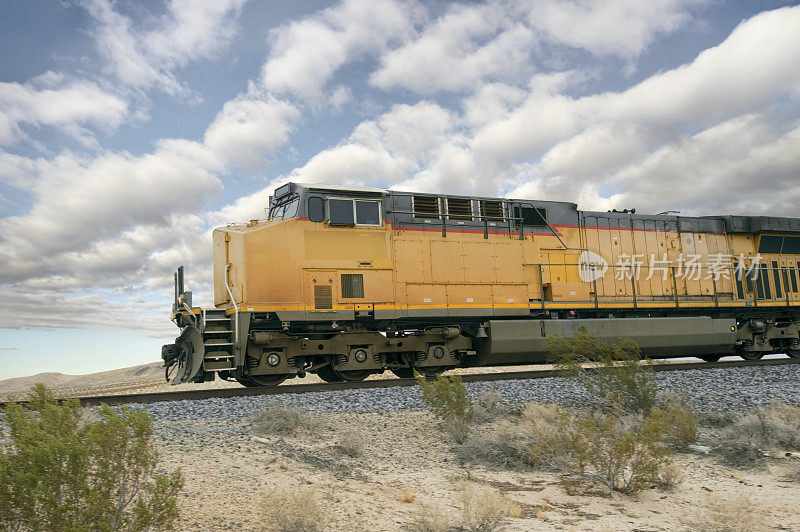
386 383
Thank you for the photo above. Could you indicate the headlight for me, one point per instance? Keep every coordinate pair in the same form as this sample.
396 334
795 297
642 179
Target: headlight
273 359
360 355
438 351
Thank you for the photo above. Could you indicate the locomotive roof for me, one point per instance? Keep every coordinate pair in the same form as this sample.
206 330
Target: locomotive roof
726 223
342 188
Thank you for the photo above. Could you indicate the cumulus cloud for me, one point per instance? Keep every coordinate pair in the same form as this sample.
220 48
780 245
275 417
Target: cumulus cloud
190 30
69 106
746 165
472 44
754 66
248 127
305 54
622 28
468 44
383 150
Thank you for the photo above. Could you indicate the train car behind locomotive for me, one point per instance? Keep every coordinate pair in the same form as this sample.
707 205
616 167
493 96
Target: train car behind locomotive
344 282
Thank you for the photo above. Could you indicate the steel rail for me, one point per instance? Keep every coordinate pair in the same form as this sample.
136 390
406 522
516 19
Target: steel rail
215 393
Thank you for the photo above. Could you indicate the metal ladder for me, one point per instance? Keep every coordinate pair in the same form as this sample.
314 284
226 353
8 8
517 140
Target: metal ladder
218 340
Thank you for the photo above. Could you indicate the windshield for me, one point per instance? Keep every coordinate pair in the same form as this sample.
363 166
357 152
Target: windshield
286 210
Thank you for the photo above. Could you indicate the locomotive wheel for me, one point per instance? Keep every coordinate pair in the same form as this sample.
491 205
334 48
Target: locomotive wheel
404 373
353 375
266 380
245 381
750 355
328 374
710 358
793 353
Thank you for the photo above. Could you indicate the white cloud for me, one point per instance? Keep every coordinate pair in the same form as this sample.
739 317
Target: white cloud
468 44
754 66
384 150
248 127
80 201
622 28
48 100
505 41
305 54
190 30
746 165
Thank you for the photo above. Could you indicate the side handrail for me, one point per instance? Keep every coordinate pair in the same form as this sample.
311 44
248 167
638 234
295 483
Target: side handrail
235 309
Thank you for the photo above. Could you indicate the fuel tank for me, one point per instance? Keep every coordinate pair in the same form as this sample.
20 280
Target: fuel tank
526 341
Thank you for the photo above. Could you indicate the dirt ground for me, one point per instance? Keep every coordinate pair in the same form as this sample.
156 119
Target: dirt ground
408 468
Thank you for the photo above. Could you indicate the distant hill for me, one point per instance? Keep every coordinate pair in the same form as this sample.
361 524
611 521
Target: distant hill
63 385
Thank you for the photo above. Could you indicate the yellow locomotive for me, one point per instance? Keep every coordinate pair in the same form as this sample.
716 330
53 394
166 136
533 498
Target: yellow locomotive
345 282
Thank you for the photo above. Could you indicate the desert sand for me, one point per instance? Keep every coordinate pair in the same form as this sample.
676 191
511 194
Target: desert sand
408 468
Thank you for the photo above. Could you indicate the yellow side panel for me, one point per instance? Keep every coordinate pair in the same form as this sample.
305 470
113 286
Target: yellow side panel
469 295
409 261
446 262
570 292
478 262
701 248
558 274
508 262
220 260
426 295
507 295
346 244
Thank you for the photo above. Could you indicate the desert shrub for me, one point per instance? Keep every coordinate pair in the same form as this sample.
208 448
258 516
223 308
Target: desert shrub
482 510
446 397
746 442
502 444
60 472
623 453
281 419
612 374
487 406
294 510
776 423
352 442
741 452
430 519
533 439
547 427
680 425
731 514
716 419
408 496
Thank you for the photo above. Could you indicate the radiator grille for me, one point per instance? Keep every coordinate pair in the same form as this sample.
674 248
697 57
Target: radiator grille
426 207
459 209
352 285
323 297
492 210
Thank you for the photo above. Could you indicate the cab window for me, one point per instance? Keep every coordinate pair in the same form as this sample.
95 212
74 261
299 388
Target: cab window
284 210
343 211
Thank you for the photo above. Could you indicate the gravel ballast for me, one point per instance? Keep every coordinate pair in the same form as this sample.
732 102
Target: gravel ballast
710 390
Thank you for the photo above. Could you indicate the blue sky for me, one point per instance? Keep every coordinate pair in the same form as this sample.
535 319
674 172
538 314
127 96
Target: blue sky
128 130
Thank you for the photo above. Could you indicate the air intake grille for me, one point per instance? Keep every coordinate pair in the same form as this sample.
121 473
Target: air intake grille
492 210
426 207
323 297
459 209
352 285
